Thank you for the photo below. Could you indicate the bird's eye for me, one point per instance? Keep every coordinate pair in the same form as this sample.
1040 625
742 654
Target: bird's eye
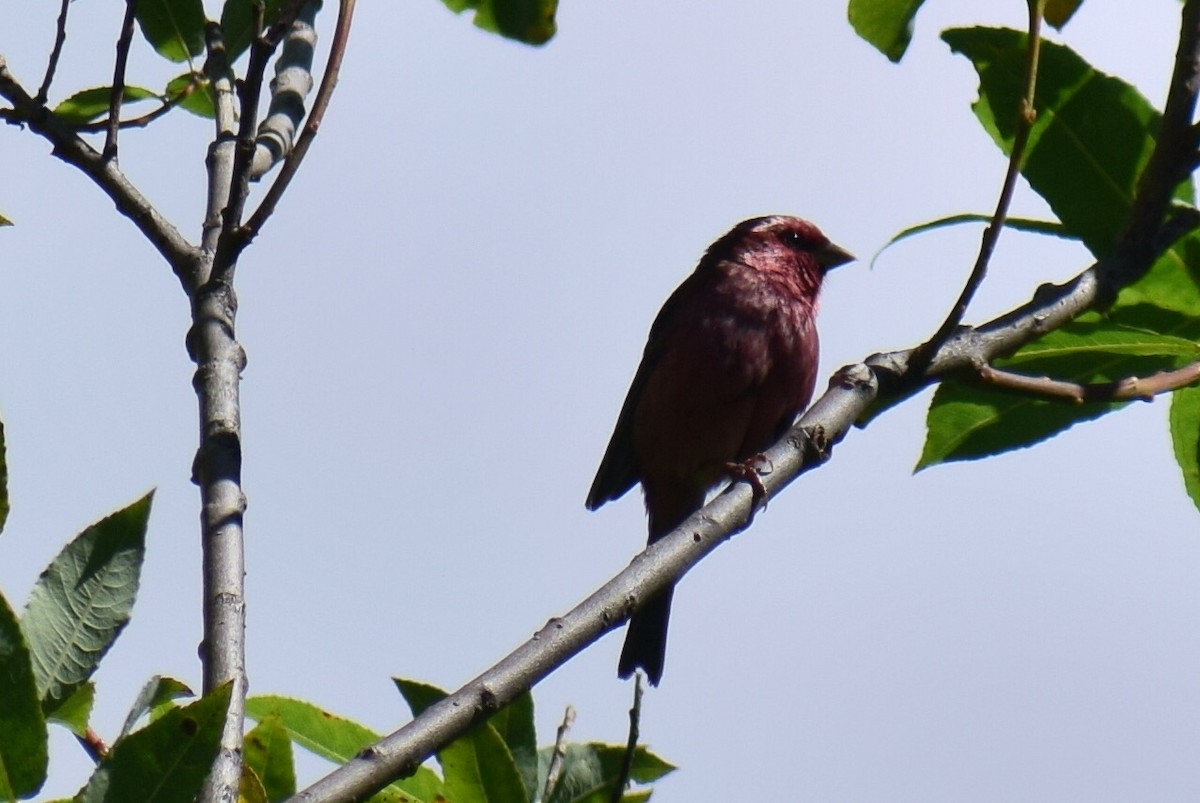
792 239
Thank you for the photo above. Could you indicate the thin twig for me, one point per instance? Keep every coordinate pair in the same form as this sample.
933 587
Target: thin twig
292 163
143 121
60 38
635 715
1128 389
181 255
554 769
118 84
1026 114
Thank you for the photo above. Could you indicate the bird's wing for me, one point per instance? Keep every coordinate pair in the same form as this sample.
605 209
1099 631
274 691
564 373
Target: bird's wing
619 470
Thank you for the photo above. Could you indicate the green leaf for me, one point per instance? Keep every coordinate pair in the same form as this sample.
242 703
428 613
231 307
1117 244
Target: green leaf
92 104
268 753
479 766
174 28
1058 12
237 24
81 603
516 727
339 740
196 93
23 737
418 695
1171 283
75 712
1092 137
885 24
251 789
157 693
166 761
966 422
528 21
1185 438
1048 227
589 772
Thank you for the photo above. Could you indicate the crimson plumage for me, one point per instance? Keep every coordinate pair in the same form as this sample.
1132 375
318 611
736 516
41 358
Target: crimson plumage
730 361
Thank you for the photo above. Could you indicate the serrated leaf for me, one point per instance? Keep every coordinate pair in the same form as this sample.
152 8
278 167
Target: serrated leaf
1047 227
1059 12
251 789
336 739
193 92
75 712
967 422
23 738
155 693
1185 438
174 28
515 724
478 766
1092 136
268 752
1172 281
886 24
92 104
166 761
81 603
237 24
528 21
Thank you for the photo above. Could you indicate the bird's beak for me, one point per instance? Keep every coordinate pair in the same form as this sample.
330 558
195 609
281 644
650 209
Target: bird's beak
832 255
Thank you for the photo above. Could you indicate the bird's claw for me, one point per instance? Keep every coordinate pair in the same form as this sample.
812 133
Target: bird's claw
752 471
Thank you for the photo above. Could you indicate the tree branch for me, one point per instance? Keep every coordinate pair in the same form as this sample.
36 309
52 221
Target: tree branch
1026 115
118 83
182 256
292 163
1128 389
217 468
60 38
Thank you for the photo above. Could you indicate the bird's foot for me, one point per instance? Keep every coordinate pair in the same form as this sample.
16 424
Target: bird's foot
752 471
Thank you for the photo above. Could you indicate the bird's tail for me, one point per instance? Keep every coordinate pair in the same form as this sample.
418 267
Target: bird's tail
646 640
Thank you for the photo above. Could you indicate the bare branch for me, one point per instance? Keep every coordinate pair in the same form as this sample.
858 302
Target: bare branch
635 715
217 468
182 256
60 38
292 163
560 751
1128 389
293 81
118 82
1026 115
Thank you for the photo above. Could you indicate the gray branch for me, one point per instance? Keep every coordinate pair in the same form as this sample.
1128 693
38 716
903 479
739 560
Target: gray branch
291 85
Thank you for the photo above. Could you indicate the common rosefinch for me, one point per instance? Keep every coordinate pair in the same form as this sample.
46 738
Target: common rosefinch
730 361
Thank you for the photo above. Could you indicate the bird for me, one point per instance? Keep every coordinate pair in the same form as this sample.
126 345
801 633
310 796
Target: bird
730 361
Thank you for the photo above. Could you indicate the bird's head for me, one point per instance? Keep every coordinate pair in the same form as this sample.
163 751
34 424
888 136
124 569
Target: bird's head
780 244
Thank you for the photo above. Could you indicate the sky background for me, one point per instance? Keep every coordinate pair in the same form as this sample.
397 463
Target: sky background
442 320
